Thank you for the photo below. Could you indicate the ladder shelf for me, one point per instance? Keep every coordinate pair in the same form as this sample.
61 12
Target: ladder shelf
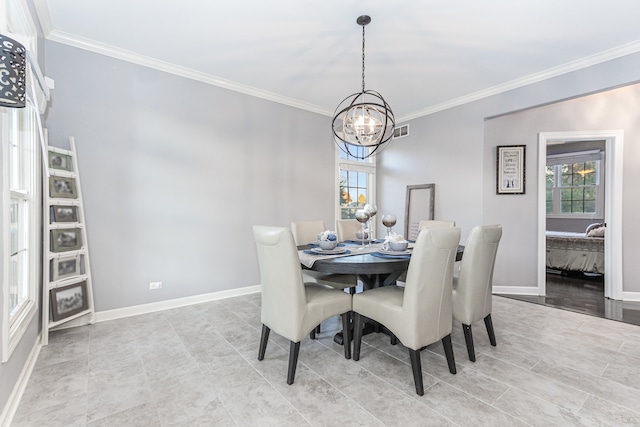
67 292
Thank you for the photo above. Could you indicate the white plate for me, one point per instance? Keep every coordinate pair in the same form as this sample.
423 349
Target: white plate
337 250
390 252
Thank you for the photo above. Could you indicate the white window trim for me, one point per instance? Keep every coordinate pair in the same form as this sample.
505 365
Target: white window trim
14 329
20 22
368 167
599 213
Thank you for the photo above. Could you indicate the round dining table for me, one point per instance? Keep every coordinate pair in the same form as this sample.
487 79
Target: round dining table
373 271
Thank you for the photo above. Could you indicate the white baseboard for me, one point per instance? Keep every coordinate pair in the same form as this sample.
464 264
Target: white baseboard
532 290
119 313
516 290
630 296
18 389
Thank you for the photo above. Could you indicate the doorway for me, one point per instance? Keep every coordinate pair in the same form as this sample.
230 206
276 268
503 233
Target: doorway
614 140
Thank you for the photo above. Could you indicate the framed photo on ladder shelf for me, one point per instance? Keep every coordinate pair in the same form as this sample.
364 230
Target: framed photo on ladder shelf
69 300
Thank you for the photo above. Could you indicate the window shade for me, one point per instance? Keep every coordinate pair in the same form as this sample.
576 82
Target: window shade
577 157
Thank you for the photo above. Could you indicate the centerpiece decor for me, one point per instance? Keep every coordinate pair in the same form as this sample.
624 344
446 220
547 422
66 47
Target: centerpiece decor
328 240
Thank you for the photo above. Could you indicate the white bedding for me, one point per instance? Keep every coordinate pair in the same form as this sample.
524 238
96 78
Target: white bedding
575 252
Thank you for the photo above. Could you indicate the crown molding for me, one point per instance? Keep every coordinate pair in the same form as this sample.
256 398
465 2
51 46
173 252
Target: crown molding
146 61
617 52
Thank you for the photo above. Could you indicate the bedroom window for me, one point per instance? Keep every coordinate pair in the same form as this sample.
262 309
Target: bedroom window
573 185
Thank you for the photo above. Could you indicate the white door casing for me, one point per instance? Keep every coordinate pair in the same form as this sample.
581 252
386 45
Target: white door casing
614 143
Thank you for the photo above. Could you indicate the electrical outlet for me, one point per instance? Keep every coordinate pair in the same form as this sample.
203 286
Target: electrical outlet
155 285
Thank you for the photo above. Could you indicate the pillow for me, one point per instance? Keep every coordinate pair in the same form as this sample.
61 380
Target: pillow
592 226
596 232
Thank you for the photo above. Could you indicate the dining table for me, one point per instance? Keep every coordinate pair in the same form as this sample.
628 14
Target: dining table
370 262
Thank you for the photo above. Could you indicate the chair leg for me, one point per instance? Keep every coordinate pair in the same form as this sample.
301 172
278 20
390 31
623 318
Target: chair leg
294 349
468 337
312 334
489 324
448 351
264 337
393 340
416 366
346 334
357 335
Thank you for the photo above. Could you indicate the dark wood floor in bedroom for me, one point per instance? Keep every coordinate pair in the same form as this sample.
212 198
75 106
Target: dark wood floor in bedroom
584 293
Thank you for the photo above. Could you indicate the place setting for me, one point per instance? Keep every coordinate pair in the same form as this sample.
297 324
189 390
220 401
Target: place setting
327 244
394 246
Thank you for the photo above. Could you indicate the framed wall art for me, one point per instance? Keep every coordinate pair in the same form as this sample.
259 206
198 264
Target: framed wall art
64 213
419 206
68 300
66 239
65 267
59 161
510 174
61 187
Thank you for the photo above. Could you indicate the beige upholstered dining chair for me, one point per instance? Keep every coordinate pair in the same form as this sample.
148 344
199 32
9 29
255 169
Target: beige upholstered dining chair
307 232
429 224
434 223
472 288
290 307
420 313
347 229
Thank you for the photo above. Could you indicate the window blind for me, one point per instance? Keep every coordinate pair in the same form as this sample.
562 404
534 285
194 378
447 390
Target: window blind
576 157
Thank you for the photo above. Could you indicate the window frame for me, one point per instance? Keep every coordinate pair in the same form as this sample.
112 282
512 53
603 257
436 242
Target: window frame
368 166
20 25
14 325
557 188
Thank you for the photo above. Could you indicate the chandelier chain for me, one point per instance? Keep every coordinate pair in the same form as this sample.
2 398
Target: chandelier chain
363 58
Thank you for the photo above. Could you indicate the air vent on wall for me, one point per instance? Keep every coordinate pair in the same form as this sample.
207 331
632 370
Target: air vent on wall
401 131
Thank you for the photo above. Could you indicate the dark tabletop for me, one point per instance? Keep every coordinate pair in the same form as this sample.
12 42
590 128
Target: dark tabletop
370 268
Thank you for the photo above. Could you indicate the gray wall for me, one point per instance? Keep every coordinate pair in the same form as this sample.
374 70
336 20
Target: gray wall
614 109
452 149
175 172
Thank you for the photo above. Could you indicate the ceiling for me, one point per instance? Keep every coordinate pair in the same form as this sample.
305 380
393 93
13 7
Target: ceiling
421 55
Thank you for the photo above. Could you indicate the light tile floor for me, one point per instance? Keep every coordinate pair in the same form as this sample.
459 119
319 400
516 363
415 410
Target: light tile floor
198 365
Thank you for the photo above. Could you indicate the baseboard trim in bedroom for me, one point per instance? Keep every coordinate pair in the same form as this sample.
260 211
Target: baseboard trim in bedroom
630 296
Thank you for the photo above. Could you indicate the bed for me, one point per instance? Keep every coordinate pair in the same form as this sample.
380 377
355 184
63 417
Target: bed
582 252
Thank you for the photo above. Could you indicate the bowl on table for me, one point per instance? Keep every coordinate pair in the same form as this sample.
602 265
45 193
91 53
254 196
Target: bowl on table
362 235
327 244
398 246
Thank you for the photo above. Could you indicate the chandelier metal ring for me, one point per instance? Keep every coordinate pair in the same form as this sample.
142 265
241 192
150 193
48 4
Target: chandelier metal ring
363 119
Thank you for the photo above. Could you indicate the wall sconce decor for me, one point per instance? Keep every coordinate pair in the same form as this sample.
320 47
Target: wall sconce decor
13 71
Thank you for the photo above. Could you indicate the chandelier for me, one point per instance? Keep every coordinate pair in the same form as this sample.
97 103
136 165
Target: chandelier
363 119
12 73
